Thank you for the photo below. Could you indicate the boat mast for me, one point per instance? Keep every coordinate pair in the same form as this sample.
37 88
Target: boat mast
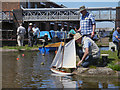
63 49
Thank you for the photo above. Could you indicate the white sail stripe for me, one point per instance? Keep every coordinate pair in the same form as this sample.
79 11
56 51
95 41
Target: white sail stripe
57 56
59 60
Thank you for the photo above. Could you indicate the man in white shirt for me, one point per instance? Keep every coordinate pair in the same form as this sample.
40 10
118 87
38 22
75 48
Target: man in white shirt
35 33
90 49
21 31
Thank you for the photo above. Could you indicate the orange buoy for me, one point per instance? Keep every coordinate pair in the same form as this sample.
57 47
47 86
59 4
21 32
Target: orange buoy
55 51
23 55
17 58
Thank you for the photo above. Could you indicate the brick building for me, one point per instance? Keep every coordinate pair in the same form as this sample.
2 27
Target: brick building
14 10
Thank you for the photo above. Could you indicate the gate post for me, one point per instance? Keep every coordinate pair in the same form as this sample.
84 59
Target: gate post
117 21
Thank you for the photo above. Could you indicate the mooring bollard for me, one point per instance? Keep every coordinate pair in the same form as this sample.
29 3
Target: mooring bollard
104 59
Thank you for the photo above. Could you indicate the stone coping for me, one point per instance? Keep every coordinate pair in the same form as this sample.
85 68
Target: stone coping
103 71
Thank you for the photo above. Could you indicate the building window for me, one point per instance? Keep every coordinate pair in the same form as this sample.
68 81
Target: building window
29 6
35 5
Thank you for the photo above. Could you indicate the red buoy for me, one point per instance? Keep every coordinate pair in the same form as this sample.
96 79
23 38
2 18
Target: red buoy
17 58
23 55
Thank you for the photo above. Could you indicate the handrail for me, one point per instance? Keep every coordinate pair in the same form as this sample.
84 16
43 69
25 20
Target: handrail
92 8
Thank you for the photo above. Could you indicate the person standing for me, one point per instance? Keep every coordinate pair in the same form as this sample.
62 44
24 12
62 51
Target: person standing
62 29
90 49
87 23
21 31
116 39
30 35
35 32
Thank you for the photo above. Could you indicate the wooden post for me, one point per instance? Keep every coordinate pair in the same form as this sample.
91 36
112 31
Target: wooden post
55 26
62 26
117 21
68 26
47 26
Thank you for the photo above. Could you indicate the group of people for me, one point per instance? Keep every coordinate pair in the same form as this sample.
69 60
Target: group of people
32 34
84 36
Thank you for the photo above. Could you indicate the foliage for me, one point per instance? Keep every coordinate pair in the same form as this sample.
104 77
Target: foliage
114 66
94 67
113 60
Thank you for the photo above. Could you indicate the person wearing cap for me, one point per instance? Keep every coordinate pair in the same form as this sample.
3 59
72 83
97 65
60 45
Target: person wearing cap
30 35
21 31
87 23
116 39
71 33
89 48
35 33
46 39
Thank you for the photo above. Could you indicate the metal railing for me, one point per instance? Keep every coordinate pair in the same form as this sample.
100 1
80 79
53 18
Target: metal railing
67 14
61 14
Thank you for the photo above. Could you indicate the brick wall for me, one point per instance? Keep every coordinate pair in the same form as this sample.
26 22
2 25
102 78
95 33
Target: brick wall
9 6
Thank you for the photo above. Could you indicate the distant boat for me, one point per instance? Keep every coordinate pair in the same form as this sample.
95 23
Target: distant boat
51 47
65 58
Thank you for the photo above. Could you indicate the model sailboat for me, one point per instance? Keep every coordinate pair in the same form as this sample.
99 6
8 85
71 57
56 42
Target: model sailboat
65 58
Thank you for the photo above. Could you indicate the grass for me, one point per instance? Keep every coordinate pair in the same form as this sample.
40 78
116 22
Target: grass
114 62
93 67
112 55
22 47
114 66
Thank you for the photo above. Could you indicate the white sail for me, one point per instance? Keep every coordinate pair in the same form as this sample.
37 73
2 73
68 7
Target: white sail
69 56
58 57
69 59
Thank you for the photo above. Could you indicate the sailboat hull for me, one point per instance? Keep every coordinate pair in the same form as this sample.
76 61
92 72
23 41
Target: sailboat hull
60 72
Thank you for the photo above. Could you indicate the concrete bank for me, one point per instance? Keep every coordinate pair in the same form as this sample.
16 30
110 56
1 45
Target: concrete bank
98 71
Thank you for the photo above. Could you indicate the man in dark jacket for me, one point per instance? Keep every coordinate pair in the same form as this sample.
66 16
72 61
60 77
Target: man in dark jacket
30 35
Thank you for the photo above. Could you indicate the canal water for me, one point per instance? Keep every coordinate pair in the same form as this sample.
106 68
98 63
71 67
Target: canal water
104 48
24 70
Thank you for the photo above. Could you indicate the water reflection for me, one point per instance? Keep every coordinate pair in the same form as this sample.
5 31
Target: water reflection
63 81
28 72
96 82
84 82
